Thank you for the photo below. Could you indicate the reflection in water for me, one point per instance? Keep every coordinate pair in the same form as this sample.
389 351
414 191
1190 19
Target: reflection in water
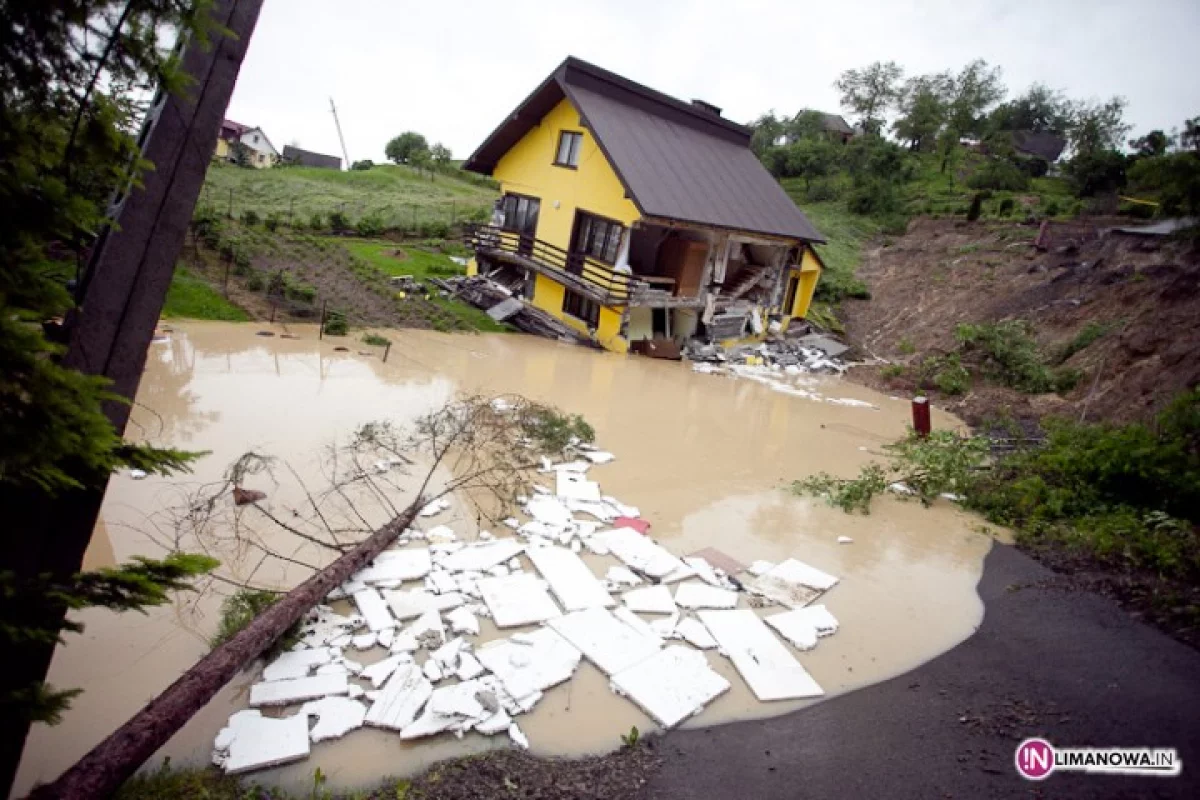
707 459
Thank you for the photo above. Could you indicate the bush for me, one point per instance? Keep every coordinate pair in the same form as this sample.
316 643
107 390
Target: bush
250 217
1007 353
976 207
894 225
335 324
338 222
891 371
1007 205
273 222
433 229
999 173
375 340
872 196
1051 209
317 222
365 164
551 431
301 292
369 226
822 191
241 262
255 282
1087 336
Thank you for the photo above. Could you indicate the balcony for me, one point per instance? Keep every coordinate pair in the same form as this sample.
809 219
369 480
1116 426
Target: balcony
579 273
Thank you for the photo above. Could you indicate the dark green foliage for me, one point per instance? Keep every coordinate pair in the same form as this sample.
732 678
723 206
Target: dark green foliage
406 148
551 430
239 610
335 324
976 207
999 173
1097 172
255 282
201 783
272 222
1173 179
946 374
1087 336
849 495
338 222
1051 209
1006 353
300 292
317 222
1128 494
1007 205
365 164
375 340
369 226
250 217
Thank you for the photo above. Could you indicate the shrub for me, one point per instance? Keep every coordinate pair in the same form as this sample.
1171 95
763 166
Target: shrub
976 207
338 222
822 191
272 222
1007 205
301 292
250 217
1051 209
241 262
317 222
872 196
1007 353
849 495
999 173
375 340
951 377
369 226
365 164
255 282
335 324
894 225
551 431
891 371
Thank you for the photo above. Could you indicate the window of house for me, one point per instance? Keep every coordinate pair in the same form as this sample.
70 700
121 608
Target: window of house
256 138
597 237
520 213
581 308
569 143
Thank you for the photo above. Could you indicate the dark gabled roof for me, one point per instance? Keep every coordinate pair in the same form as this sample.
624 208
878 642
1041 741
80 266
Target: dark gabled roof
1043 144
835 123
307 158
676 161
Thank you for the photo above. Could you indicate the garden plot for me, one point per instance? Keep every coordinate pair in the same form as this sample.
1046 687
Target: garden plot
429 603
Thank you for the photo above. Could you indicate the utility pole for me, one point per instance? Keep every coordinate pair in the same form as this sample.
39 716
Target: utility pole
109 334
342 139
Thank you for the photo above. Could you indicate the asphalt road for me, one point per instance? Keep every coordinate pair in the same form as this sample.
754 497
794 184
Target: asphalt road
1069 666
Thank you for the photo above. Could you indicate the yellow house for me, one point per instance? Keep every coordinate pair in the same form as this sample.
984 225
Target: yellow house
630 215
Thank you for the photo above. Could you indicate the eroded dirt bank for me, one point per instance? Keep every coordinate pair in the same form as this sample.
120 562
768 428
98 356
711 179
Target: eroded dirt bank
704 457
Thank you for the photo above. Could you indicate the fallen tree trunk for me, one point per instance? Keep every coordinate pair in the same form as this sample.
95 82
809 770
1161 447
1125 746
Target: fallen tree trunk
112 762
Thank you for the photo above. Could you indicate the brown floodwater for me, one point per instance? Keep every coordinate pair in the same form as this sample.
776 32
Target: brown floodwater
706 458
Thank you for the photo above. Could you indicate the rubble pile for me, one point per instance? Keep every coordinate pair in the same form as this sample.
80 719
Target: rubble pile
399 646
813 353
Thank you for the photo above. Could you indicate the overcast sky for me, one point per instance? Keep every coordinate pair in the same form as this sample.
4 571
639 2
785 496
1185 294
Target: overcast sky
453 69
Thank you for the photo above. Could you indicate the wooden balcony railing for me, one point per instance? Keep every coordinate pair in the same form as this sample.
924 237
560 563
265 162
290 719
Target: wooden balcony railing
581 273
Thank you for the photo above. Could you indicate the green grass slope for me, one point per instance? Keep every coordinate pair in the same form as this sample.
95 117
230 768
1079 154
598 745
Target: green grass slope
192 297
399 196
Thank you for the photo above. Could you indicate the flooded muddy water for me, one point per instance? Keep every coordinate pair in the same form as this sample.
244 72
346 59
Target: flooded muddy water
706 458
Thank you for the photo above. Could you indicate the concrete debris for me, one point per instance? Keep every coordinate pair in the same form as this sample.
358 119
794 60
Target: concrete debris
434 507
441 582
901 488
497 723
398 704
386 638
639 553
447 655
364 641
297 663
481 557
671 685
396 565
518 737
373 609
808 355
621 509
830 347
463 620
664 627
791 583
297 690
457 700
705 572
428 630
336 716
760 567
323 627
380 671
137 474
802 626
650 600
694 594
548 510
719 560
599 456
770 671
517 600
621 576
574 486
251 741
468 667
441 533
609 643
570 579
432 670
845 540
404 642
528 664
695 634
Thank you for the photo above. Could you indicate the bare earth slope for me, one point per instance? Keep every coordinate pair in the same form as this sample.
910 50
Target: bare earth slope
1145 292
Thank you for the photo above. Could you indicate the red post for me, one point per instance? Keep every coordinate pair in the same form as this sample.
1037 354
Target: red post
920 412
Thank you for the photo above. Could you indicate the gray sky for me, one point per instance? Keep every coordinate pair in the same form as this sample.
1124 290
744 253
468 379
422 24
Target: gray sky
453 69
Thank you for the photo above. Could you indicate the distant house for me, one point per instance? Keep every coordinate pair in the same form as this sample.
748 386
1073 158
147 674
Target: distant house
631 215
1044 145
832 125
260 152
307 158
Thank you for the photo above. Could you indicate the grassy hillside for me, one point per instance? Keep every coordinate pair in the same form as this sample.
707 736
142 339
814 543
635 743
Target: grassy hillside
399 197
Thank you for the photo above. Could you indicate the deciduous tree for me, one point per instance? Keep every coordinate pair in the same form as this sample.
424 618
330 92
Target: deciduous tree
870 91
401 149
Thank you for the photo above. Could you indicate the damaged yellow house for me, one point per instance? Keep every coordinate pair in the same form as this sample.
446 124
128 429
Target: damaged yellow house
631 215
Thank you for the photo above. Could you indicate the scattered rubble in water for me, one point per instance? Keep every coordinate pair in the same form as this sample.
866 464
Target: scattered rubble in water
420 603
